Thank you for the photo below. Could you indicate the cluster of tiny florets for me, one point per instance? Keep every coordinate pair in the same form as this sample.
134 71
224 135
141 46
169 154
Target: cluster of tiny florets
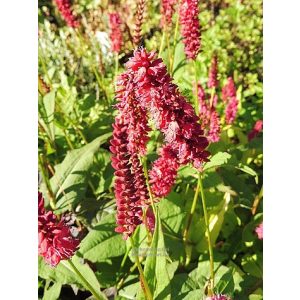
218 297
210 119
55 241
231 101
167 9
145 91
190 27
213 73
64 7
115 31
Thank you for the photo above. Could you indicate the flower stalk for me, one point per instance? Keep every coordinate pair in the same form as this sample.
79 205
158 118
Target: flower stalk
142 276
84 281
210 248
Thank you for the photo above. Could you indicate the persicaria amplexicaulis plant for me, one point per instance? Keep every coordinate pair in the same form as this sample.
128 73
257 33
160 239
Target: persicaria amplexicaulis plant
115 23
190 27
64 7
55 242
145 91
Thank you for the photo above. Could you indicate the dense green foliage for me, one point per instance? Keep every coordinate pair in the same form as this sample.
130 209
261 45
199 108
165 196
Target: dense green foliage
76 112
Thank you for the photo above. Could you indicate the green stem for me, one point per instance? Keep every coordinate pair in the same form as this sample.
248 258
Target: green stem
162 43
190 217
144 163
212 97
210 248
47 182
143 279
197 108
175 38
86 283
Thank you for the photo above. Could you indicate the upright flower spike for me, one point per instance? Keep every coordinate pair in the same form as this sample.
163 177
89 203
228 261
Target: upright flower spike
210 119
213 73
115 31
228 90
64 7
167 9
164 171
139 21
190 27
229 97
258 126
127 186
169 110
55 242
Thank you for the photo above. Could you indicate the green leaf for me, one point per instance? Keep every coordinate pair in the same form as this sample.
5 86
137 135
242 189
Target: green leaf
47 114
249 171
216 218
63 273
155 269
53 292
217 160
102 242
70 179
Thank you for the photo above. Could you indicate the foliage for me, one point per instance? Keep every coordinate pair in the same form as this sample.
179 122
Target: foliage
76 112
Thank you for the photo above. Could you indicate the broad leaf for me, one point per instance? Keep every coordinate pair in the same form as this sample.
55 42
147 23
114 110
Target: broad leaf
53 292
70 179
102 242
217 160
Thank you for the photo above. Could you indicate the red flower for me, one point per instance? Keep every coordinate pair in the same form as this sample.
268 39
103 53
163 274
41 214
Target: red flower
231 110
210 119
213 73
150 219
115 31
56 242
129 189
256 130
64 6
228 90
164 172
190 27
167 9
169 110
134 114
229 97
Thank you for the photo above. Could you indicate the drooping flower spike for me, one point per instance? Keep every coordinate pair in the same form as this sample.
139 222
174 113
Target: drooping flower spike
130 187
190 27
145 91
64 7
115 31
55 242
168 109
